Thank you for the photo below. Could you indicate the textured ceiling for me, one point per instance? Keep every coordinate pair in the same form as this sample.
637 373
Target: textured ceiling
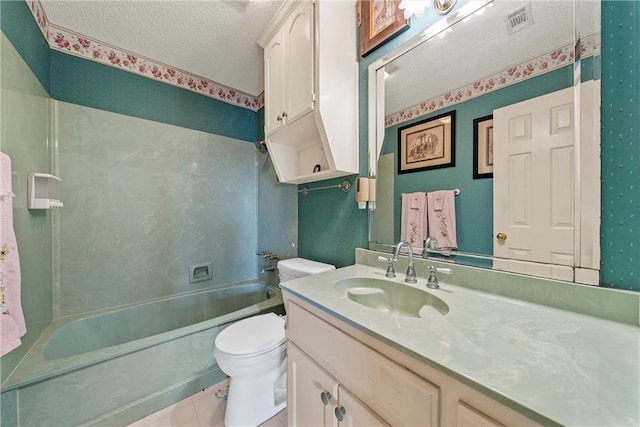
215 39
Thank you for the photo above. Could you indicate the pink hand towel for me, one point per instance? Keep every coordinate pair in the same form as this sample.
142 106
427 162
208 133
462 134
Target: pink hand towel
12 324
413 226
441 212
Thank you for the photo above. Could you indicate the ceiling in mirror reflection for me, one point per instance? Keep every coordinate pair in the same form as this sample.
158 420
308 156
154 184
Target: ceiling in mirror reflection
480 47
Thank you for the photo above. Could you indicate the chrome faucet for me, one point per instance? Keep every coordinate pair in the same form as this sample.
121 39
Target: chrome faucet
410 276
427 245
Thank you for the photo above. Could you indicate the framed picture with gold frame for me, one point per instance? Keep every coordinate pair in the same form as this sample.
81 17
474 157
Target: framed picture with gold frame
483 147
427 144
380 20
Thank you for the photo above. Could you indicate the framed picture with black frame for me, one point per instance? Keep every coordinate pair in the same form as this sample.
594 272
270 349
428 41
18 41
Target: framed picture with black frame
427 144
483 147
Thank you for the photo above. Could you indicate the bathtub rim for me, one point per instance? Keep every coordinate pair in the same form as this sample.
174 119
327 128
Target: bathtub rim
41 369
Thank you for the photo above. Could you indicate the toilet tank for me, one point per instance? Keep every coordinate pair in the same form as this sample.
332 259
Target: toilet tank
299 267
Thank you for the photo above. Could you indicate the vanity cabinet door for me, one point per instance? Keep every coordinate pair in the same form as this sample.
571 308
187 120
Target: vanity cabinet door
316 399
312 394
352 412
397 394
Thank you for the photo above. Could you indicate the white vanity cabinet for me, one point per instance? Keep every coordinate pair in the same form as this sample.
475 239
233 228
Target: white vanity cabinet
333 362
319 399
311 90
356 376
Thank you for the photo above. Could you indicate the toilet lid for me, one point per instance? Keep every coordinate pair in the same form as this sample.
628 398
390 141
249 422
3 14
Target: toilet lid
252 335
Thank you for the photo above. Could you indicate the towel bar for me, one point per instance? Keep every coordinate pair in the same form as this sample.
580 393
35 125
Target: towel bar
345 186
456 191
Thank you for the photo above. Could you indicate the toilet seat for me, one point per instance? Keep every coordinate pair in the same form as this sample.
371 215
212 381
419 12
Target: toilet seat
252 336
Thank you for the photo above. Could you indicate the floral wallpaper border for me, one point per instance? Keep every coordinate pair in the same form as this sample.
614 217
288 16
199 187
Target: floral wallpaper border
545 63
76 44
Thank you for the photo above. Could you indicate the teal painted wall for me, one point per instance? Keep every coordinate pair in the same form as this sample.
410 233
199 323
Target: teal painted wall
474 205
620 118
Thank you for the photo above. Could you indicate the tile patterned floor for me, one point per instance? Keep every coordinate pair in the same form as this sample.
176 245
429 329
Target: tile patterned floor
201 409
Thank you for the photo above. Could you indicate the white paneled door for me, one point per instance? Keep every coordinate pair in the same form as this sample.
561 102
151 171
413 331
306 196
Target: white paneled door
533 181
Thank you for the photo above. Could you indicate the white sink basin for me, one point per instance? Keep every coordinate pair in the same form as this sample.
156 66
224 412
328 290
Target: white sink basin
390 297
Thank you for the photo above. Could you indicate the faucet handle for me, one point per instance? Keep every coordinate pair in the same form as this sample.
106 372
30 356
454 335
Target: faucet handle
390 270
432 281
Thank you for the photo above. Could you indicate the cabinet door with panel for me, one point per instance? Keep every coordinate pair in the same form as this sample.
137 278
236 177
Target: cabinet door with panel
315 398
351 412
274 83
289 77
299 65
311 392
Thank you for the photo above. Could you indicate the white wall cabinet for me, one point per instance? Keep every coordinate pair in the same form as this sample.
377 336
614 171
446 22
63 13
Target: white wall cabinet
288 70
373 383
311 90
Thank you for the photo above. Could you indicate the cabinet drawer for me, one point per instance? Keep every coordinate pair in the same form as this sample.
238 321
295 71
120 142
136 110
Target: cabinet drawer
398 395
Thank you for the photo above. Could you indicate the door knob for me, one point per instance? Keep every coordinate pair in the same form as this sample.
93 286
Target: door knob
340 412
325 396
501 236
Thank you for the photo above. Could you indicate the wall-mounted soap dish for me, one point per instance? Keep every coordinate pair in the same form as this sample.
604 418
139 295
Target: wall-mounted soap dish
43 191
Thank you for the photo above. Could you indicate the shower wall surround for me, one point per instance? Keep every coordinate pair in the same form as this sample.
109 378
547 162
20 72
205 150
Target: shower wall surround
143 201
25 107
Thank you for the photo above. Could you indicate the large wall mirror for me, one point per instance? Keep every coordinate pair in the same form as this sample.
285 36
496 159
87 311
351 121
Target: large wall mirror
521 79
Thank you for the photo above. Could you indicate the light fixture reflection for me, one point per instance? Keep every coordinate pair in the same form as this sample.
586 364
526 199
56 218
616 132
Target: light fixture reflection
414 7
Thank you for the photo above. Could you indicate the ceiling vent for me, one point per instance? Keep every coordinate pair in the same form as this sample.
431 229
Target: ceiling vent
519 19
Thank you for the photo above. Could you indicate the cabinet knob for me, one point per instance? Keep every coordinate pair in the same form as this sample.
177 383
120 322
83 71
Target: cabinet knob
325 396
340 412
284 114
279 118
501 236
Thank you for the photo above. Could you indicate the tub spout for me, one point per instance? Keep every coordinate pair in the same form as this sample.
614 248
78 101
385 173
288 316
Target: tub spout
266 269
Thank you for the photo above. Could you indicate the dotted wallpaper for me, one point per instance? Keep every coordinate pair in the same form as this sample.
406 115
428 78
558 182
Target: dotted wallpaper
620 116
88 83
22 31
330 225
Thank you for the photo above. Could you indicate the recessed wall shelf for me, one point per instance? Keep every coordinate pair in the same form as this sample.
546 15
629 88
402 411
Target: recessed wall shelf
42 189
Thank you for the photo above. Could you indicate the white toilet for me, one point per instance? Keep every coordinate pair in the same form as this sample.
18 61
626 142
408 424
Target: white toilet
252 352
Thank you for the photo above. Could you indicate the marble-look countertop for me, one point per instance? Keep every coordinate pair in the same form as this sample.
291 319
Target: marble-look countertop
550 364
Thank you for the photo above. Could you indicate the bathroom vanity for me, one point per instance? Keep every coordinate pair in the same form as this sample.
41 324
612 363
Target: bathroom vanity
362 351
